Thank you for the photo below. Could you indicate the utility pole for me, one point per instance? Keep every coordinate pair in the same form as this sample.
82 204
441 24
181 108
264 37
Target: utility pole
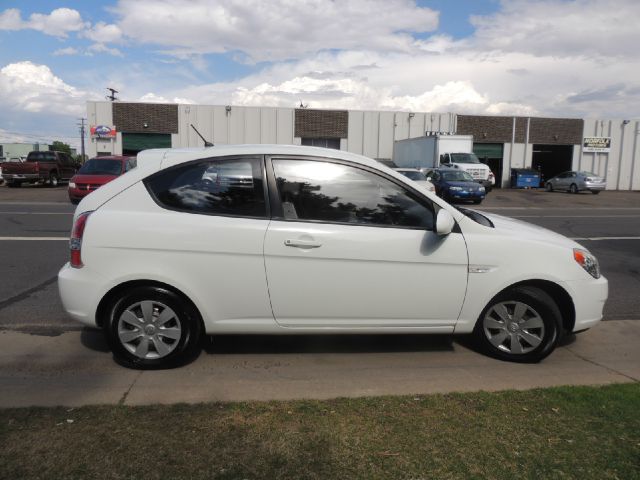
112 97
81 125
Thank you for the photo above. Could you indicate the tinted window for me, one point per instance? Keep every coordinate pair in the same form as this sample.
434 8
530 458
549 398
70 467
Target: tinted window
41 157
457 176
331 192
413 175
223 187
97 166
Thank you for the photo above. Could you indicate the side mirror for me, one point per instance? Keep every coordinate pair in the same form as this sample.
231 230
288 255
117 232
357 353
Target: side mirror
444 222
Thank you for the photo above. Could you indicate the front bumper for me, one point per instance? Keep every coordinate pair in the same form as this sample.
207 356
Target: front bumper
78 194
466 195
589 297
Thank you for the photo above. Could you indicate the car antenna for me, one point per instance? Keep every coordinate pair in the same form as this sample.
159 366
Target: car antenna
206 142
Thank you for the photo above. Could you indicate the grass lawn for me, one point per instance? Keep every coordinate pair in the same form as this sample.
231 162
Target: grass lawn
568 432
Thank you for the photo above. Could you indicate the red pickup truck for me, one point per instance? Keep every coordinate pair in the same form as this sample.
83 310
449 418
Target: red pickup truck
46 167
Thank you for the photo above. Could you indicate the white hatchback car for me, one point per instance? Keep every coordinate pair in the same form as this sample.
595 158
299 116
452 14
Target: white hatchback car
275 239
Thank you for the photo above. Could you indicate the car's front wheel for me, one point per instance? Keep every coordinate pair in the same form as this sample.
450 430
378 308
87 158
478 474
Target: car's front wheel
573 188
522 324
151 327
549 187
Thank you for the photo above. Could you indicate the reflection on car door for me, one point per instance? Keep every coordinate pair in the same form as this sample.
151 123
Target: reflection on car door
352 248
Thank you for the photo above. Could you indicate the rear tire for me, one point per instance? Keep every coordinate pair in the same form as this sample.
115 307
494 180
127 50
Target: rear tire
150 327
14 184
53 180
522 324
573 188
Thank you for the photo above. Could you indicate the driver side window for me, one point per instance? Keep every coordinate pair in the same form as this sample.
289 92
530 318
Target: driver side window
324 191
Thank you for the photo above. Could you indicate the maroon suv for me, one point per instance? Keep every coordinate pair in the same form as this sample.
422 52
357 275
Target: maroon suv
95 173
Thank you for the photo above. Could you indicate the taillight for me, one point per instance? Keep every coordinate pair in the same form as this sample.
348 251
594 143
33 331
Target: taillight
75 243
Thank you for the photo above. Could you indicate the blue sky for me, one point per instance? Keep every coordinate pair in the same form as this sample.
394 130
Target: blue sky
569 58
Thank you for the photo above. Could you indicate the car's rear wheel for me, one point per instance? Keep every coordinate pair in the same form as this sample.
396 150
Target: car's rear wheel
573 188
13 184
549 187
150 327
522 324
53 180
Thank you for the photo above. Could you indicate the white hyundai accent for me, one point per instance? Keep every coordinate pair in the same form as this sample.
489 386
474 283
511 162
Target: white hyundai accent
275 239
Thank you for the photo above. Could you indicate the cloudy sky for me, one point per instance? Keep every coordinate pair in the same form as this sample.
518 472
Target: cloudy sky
562 58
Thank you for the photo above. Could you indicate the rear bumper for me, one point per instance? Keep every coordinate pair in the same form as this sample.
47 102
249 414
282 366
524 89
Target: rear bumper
595 186
29 177
79 291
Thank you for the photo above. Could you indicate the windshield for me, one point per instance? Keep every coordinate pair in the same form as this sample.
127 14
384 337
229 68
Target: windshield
414 175
464 158
457 176
41 157
101 167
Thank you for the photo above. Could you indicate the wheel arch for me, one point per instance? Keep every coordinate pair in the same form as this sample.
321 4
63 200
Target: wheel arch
557 293
103 306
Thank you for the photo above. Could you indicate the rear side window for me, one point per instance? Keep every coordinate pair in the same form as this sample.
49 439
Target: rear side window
41 157
216 187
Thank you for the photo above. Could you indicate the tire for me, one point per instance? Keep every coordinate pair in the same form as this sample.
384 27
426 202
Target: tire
139 341
14 184
595 192
477 201
533 343
74 201
573 188
53 180
549 187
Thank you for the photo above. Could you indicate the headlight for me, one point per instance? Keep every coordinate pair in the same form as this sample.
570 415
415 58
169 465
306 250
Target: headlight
72 185
587 261
481 189
455 189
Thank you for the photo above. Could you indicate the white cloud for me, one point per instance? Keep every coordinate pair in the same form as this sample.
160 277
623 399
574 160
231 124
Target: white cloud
58 23
102 48
102 33
275 30
153 98
66 51
25 86
562 28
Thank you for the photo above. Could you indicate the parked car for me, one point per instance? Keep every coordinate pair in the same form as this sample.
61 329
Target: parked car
417 176
40 166
319 241
96 172
456 185
576 181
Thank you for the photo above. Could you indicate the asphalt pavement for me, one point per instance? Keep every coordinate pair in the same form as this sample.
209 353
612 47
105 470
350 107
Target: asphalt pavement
46 358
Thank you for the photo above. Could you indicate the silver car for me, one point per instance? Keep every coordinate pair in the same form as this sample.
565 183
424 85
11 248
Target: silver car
576 181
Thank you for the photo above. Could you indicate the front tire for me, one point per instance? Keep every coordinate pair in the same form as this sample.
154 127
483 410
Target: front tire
522 324
549 187
151 327
573 188
477 201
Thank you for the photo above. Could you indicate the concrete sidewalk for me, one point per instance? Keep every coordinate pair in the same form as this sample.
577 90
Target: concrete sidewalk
75 368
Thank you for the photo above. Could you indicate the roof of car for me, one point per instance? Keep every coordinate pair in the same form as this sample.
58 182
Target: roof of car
174 156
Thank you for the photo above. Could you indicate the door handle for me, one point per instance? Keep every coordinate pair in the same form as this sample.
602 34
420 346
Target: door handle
300 243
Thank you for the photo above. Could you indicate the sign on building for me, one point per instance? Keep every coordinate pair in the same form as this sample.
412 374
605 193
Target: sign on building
103 131
596 144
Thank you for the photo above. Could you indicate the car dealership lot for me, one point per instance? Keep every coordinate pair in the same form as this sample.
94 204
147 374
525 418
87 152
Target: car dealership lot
43 350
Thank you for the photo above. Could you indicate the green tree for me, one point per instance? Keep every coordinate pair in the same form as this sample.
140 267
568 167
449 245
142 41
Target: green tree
58 146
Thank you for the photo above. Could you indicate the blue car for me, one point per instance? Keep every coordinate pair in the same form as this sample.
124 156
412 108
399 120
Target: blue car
456 185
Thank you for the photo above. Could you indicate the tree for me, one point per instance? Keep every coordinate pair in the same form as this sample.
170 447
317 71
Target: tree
58 146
